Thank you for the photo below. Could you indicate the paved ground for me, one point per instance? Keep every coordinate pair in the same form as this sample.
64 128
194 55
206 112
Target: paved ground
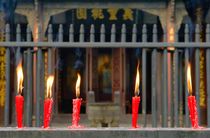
120 132
59 130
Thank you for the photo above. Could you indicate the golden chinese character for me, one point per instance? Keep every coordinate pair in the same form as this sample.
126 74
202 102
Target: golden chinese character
128 14
113 13
81 13
2 59
2 51
2 93
97 13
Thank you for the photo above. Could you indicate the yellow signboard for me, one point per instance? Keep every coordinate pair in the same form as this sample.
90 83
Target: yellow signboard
100 14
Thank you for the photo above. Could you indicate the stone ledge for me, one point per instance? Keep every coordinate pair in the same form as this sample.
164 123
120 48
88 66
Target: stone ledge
104 133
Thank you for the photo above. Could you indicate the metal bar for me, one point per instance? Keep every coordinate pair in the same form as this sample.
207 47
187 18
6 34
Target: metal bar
171 88
165 90
144 85
197 81
106 44
187 122
7 94
162 80
92 33
71 33
38 84
42 87
134 34
81 33
29 80
154 88
144 76
50 68
154 79
122 65
123 33
113 35
25 85
176 89
60 33
39 81
208 85
102 33
197 71
207 74
29 99
50 39
180 123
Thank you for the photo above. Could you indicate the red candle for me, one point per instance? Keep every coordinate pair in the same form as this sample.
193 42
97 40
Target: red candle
76 112
191 101
48 102
193 111
47 111
19 100
136 100
135 111
76 105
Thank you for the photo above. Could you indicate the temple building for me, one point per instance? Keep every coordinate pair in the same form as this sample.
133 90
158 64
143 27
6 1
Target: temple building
103 70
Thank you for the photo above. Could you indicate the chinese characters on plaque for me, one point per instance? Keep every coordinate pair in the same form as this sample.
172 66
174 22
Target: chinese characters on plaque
112 14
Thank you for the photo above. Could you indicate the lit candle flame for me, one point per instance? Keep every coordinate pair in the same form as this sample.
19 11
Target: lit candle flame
19 71
189 80
50 80
78 85
137 81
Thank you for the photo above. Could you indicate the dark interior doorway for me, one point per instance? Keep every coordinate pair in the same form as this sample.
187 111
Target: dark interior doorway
68 69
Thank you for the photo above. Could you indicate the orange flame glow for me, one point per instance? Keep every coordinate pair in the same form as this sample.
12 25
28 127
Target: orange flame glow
19 71
137 81
171 38
171 35
50 80
78 85
189 81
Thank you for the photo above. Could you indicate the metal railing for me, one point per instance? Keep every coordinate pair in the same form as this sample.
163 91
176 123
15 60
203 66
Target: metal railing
180 58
